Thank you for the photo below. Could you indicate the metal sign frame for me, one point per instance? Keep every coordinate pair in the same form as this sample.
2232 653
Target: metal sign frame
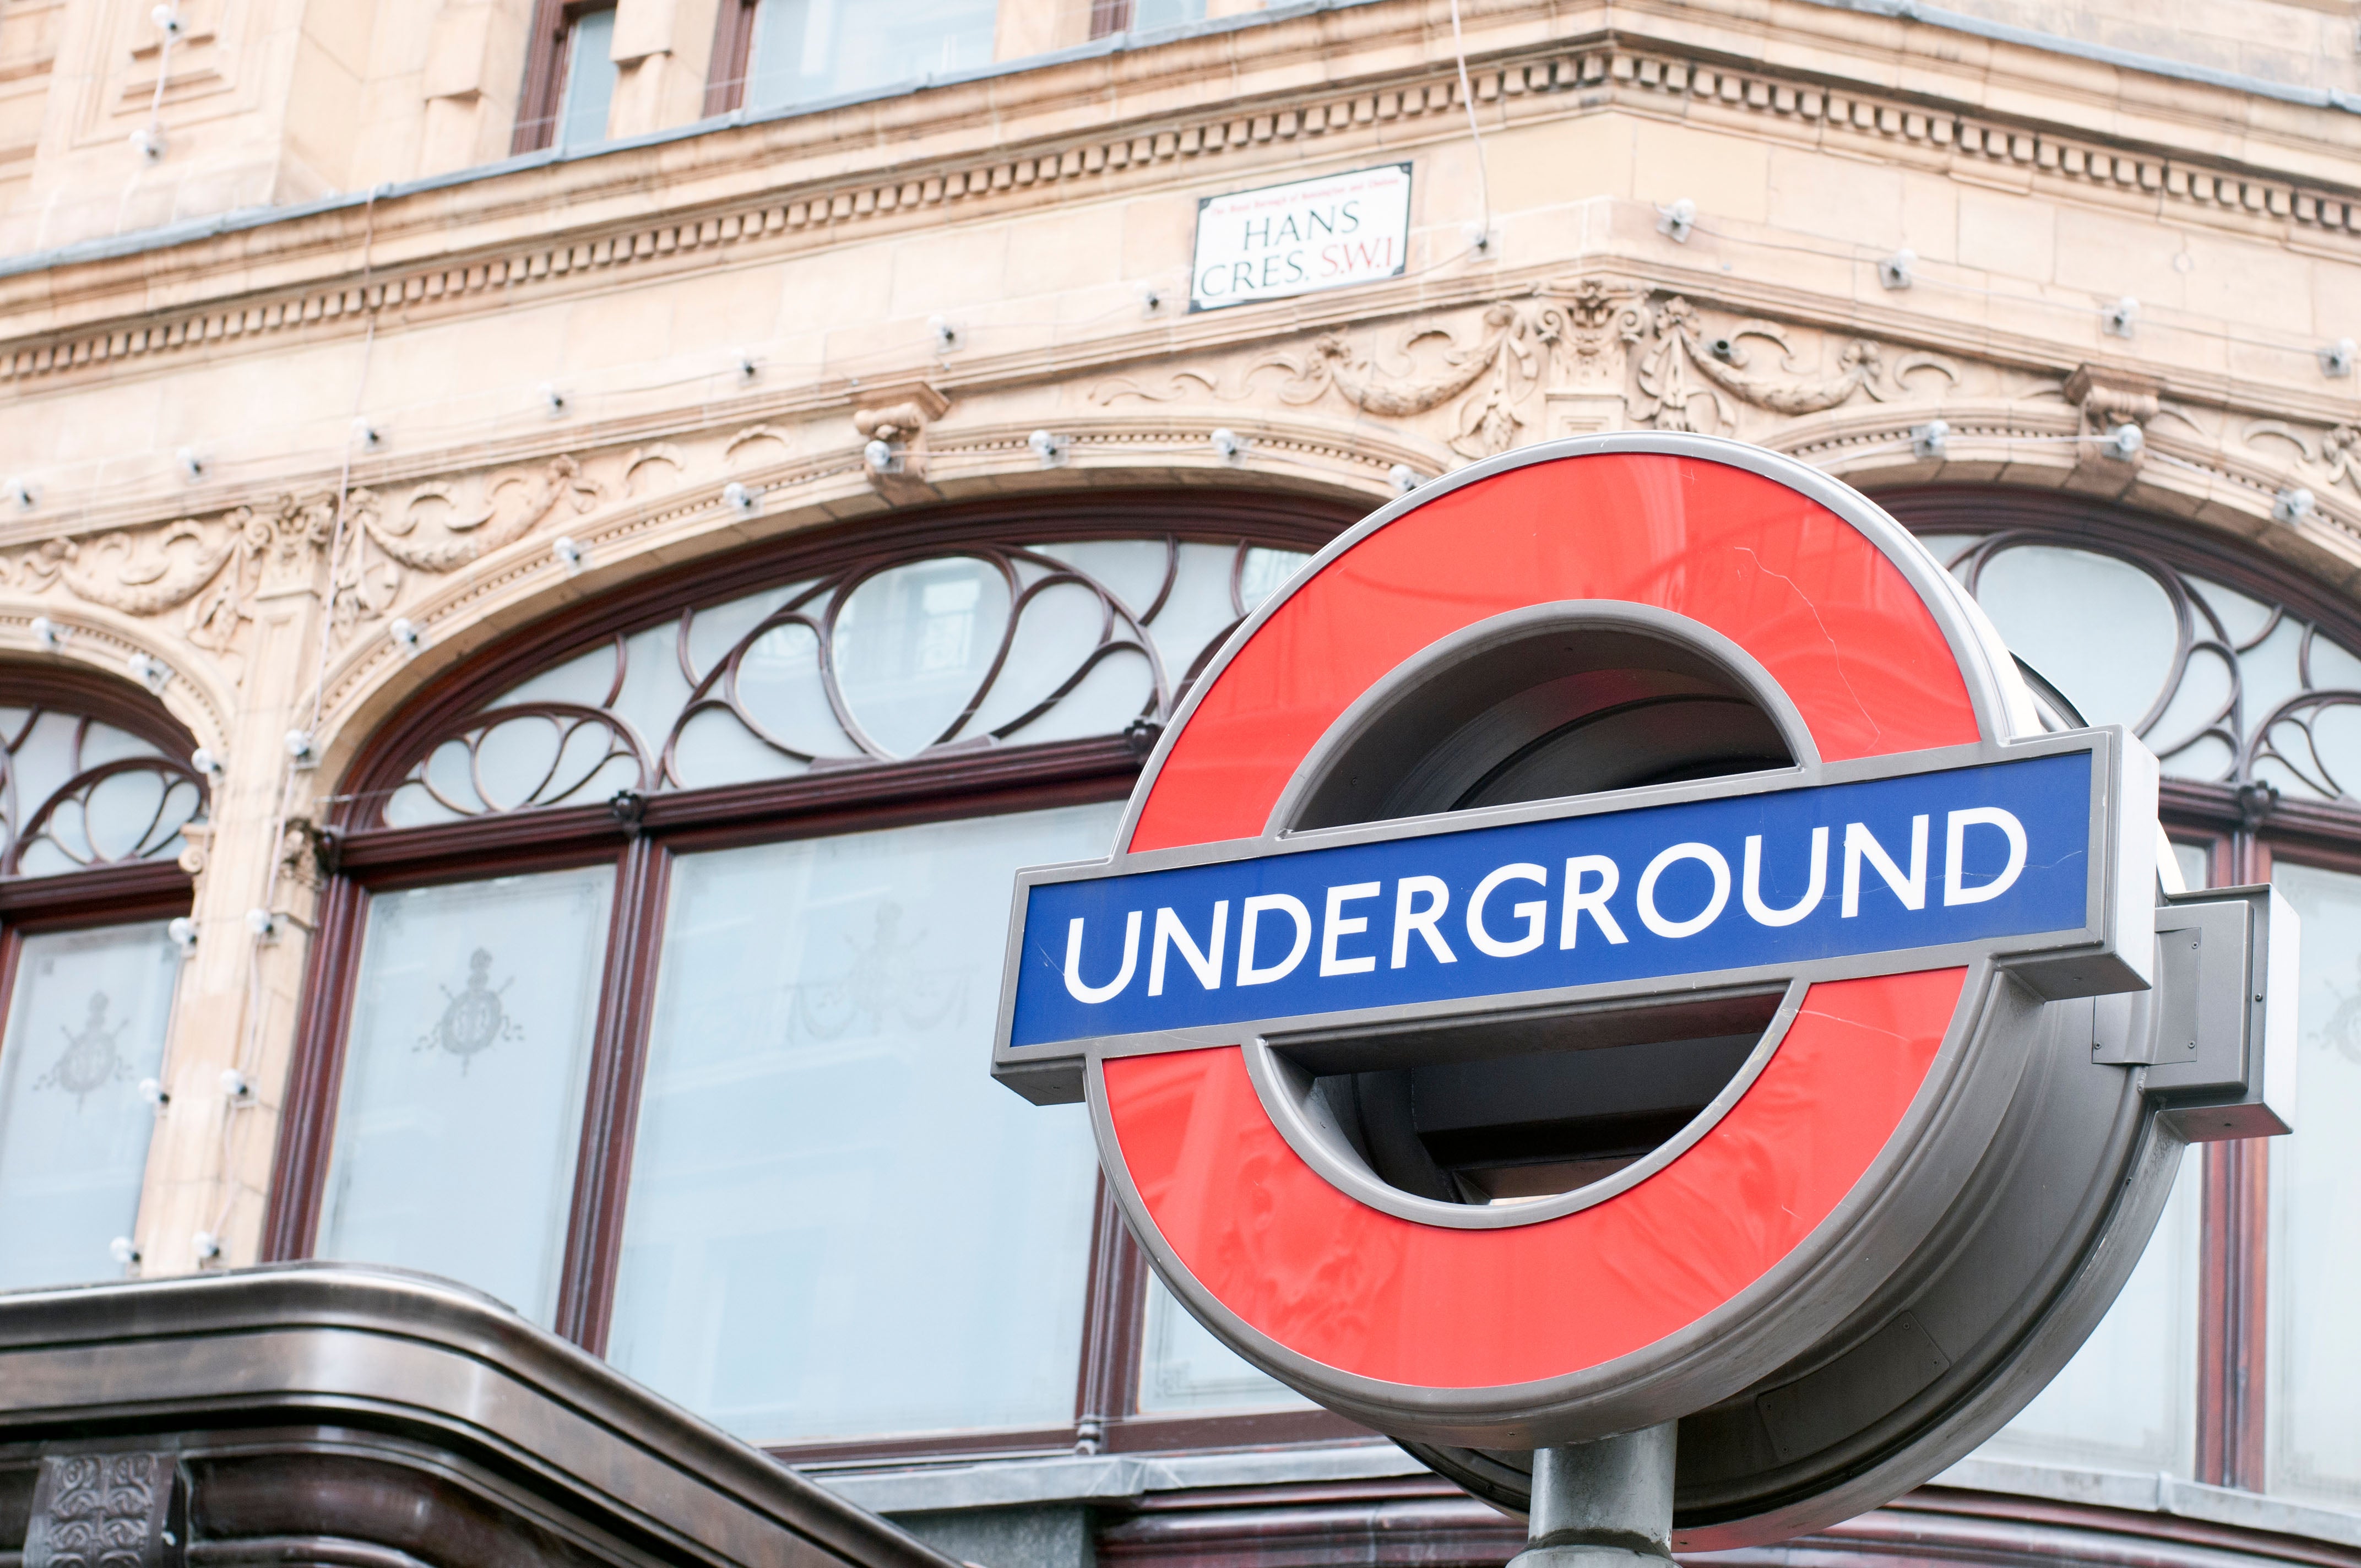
1625 1303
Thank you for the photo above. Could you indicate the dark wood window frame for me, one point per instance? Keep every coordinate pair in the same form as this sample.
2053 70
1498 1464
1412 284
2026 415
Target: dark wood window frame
2242 831
545 70
733 57
1111 16
641 844
97 895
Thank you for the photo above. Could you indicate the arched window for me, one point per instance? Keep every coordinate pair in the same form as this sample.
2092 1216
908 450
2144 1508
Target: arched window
664 942
95 793
2230 1357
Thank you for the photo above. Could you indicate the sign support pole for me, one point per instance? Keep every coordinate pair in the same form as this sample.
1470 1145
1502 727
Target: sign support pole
1607 1504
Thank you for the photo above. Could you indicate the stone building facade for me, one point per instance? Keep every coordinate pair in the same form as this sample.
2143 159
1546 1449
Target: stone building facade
384 382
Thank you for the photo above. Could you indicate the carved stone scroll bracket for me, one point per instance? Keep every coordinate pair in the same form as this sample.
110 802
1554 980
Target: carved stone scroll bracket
2109 398
107 1511
892 423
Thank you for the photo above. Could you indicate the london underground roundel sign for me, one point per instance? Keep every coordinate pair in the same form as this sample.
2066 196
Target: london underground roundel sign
1612 943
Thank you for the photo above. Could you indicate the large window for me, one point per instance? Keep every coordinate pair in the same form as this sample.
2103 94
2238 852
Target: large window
93 798
2229 1357
667 951
817 1158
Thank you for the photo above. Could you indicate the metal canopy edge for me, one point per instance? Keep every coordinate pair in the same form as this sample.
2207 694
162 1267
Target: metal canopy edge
396 1412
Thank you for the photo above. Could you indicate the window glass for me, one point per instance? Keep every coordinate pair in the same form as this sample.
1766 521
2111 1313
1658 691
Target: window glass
1184 1370
461 1110
2128 1400
1148 15
2231 689
2101 629
839 1225
589 80
914 643
85 1024
809 49
2315 1189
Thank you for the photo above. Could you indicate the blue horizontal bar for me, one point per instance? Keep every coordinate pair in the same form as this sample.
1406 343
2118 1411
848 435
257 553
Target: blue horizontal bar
1921 861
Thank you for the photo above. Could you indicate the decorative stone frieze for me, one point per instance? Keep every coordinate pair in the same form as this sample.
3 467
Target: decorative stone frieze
1573 77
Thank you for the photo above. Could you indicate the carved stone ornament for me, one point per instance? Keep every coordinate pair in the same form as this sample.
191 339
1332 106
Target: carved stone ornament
897 417
1605 340
215 569
463 535
1689 374
2110 399
2328 459
105 1510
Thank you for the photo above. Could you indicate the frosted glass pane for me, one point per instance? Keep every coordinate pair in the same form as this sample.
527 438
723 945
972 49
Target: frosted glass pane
2128 1400
2242 618
2098 628
654 688
44 760
85 1024
913 645
2196 865
1265 573
716 628
461 1111
1946 547
713 749
1056 634
839 1225
1185 1370
806 49
584 680
1198 610
2273 671
1131 569
2202 700
2333 668
2315 1184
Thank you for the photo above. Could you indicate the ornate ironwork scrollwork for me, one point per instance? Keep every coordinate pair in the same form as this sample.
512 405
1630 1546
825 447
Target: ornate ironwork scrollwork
1048 645
142 825
2281 752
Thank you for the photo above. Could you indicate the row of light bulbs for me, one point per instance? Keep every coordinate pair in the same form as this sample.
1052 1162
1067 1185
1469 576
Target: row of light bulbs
239 1093
370 437
2117 318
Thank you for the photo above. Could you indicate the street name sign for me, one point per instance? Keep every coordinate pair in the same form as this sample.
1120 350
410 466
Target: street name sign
1281 240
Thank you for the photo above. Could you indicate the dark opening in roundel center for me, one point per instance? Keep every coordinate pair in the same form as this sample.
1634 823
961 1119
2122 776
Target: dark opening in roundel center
1494 1111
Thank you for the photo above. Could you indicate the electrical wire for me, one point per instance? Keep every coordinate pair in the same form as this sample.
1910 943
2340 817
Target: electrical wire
250 1036
1468 99
167 24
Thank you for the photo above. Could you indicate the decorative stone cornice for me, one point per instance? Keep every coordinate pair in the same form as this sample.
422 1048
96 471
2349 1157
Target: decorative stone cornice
1616 65
1333 406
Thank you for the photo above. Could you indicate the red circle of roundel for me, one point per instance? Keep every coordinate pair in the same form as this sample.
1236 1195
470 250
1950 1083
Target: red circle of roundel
1842 630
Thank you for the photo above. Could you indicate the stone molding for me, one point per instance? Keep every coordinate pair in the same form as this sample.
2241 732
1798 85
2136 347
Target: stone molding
1606 71
1333 408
